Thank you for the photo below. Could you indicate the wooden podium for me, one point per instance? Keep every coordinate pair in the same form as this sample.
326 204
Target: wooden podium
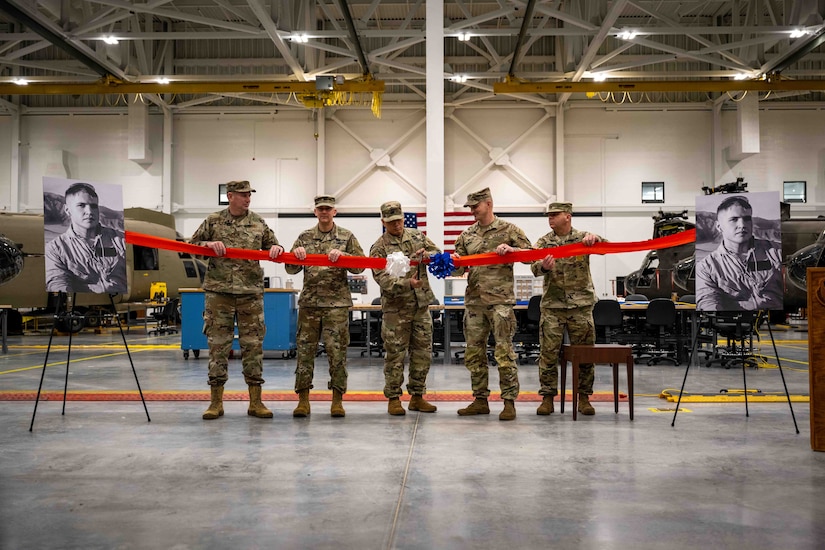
816 354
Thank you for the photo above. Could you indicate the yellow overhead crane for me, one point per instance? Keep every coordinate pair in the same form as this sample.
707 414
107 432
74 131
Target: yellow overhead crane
513 86
323 92
114 86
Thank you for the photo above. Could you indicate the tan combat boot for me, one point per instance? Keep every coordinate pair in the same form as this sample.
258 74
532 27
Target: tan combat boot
394 407
509 412
256 407
546 406
302 409
337 408
585 407
479 406
216 406
418 403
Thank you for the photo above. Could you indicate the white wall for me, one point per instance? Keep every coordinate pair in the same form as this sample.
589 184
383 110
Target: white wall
607 155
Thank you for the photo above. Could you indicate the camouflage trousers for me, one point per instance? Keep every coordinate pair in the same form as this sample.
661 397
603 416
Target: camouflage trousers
329 325
478 323
580 329
402 331
219 314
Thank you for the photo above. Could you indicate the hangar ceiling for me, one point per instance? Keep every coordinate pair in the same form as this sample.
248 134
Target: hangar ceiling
199 45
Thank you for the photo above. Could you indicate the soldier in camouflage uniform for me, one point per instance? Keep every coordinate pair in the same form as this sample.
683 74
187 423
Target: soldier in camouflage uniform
234 289
323 306
488 302
406 323
567 302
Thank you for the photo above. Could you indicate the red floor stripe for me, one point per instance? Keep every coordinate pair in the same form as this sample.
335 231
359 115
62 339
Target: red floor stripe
235 395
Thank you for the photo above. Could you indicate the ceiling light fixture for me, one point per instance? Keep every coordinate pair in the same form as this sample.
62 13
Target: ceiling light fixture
163 80
20 81
463 36
599 77
300 38
460 78
798 33
111 40
741 76
627 35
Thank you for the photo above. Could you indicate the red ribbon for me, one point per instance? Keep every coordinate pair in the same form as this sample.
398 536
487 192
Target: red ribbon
489 258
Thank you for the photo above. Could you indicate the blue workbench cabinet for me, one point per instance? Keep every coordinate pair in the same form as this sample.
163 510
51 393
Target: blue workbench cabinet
280 316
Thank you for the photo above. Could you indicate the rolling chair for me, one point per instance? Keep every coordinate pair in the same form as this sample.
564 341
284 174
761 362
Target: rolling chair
528 333
376 343
738 328
609 321
661 321
166 318
636 298
438 329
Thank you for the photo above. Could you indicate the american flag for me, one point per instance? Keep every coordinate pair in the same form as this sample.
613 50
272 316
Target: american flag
454 224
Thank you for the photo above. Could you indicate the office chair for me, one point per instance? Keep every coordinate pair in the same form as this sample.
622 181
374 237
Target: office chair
636 298
376 343
529 346
438 329
609 321
738 328
661 321
166 318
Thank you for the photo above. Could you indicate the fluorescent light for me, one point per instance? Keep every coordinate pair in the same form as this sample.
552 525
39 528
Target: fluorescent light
627 35
111 40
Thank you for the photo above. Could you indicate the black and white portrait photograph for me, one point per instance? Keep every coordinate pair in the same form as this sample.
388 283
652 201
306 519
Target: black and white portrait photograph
84 237
738 252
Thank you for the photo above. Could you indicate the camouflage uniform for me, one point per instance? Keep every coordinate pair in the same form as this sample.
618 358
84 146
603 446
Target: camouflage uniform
488 302
567 302
323 306
234 288
406 323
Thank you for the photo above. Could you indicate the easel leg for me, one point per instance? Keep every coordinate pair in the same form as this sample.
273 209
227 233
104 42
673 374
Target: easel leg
68 353
782 374
128 354
744 370
46 360
687 369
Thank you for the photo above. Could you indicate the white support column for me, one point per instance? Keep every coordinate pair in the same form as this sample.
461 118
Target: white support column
14 165
166 177
435 128
320 153
558 185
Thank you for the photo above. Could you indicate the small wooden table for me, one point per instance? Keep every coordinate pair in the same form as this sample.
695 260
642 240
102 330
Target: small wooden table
612 354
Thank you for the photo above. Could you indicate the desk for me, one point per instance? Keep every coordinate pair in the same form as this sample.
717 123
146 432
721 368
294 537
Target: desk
4 326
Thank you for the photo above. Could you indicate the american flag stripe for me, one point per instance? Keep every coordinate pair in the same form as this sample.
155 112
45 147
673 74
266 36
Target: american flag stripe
457 222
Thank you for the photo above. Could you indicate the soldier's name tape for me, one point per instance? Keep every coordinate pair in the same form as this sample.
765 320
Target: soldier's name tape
489 258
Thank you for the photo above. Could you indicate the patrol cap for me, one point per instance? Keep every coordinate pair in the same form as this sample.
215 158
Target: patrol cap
325 200
239 187
475 198
391 211
555 207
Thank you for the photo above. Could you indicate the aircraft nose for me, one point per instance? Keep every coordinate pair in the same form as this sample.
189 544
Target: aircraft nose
11 260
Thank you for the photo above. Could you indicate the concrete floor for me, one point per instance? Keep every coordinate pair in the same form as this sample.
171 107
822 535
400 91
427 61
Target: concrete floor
101 476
